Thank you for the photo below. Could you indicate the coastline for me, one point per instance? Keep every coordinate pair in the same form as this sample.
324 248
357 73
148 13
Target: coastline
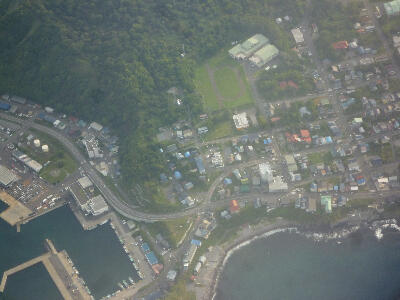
264 230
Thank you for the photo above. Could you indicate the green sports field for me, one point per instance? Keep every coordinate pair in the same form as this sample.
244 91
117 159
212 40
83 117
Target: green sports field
222 83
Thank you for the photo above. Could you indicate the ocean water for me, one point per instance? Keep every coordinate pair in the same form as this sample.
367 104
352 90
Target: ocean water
290 266
3 206
97 253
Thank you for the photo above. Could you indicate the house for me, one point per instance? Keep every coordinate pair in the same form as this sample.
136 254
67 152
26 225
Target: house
200 166
326 202
297 35
234 207
340 45
277 185
291 163
96 126
241 120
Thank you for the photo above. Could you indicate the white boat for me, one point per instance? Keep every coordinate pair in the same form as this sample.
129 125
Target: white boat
131 280
120 285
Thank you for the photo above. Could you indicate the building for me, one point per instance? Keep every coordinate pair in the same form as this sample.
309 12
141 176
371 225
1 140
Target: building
291 163
312 205
80 196
4 105
25 159
171 275
396 41
85 182
189 256
241 120
277 185
326 202
298 35
265 172
234 207
392 8
199 164
249 47
96 126
7 177
97 205
264 55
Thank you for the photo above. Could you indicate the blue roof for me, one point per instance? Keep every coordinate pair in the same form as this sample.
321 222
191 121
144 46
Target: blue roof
328 139
151 258
187 154
196 242
145 247
177 175
227 181
4 106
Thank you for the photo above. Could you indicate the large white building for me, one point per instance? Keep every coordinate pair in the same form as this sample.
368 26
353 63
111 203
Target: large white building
241 120
298 36
265 172
7 177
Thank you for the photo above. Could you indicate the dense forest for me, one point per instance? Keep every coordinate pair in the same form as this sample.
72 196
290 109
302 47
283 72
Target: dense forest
113 60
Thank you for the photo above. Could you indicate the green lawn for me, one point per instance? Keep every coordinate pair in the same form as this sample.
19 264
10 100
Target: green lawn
233 89
320 157
59 161
221 130
204 87
173 231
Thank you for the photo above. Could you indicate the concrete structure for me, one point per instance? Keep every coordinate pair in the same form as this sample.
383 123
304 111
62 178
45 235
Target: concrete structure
85 182
45 148
264 55
241 120
291 163
277 185
97 205
7 177
96 126
189 256
36 143
297 35
16 211
326 202
249 47
79 195
392 8
265 172
25 159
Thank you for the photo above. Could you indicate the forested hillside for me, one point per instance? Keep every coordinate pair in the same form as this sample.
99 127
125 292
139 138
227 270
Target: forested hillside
112 60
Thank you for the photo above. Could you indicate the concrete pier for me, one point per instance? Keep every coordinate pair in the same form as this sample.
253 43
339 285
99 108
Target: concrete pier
59 271
16 212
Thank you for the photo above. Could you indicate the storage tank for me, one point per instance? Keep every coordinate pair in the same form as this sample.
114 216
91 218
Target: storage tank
45 148
36 143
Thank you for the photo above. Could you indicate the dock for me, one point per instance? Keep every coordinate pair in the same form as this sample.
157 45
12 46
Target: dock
16 211
59 271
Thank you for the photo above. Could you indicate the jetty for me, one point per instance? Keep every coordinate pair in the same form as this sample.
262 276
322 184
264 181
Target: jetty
55 264
16 211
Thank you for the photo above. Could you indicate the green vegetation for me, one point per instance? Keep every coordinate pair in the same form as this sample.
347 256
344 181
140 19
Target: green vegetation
179 292
383 150
173 231
222 83
320 157
290 68
335 23
115 67
57 163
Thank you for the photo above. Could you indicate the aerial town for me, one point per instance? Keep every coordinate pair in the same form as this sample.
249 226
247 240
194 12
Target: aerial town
324 146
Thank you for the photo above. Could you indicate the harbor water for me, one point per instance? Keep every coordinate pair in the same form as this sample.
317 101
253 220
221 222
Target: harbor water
291 266
97 254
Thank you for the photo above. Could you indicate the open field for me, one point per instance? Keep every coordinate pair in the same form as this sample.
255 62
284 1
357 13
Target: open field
222 83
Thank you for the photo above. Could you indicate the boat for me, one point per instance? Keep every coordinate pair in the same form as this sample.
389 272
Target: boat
125 283
131 280
130 258
120 286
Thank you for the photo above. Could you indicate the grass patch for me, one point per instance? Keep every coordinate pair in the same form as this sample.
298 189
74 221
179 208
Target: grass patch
58 161
226 81
204 87
320 157
222 129
173 231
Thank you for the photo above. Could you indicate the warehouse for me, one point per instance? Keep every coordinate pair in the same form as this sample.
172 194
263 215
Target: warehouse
7 177
32 164
264 55
247 48
297 35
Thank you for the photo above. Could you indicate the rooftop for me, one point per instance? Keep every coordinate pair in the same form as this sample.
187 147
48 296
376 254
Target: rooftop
249 46
7 176
85 182
264 55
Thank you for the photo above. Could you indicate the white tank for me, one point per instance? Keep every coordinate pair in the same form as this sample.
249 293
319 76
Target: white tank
36 143
45 148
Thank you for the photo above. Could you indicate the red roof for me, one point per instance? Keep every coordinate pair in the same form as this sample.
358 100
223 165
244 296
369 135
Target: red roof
304 133
292 84
274 119
283 84
340 45
307 140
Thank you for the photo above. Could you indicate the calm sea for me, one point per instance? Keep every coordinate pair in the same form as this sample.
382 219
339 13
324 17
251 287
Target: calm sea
290 266
97 254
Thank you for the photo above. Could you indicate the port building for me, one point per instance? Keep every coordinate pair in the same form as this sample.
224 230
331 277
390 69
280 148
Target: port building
7 177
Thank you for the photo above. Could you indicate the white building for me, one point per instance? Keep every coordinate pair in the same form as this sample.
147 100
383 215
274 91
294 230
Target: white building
241 120
97 205
85 182
298 35
96 126
265 172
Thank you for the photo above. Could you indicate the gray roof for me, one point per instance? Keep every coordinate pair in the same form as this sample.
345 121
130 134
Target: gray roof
7 176
249 46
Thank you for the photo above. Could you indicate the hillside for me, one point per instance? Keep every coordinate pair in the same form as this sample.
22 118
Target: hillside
112 60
